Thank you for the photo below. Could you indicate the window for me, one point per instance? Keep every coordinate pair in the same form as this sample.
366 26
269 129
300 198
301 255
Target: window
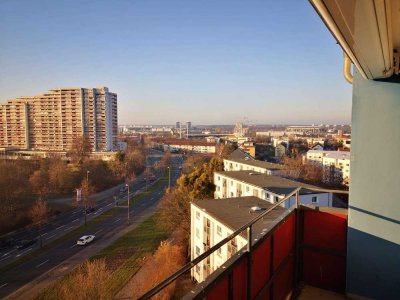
197 215
219 251
231 182
197 233
218 188
219 230
267 195
247 189
276 199
314 200
219 178
231 194
197 250
198 269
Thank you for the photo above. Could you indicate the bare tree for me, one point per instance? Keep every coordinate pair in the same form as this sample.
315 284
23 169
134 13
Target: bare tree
80 149
39 182
39 214
85 201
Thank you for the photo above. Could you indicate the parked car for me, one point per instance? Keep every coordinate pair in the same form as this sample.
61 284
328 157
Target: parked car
123 189
7 243
90 210
86 239
22 244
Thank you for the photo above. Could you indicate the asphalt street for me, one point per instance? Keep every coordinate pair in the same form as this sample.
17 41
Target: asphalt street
15 278
68 221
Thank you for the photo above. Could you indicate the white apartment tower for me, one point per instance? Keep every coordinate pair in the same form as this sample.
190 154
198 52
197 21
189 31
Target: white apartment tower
51 121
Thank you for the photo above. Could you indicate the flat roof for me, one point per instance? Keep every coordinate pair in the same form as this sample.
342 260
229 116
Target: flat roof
332 154
236 212
275 184
240 154
258 163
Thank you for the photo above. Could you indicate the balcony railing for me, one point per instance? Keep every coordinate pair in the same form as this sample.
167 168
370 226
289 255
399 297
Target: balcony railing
304 244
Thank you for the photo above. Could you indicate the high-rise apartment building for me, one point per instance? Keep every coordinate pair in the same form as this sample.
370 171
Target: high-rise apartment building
51 121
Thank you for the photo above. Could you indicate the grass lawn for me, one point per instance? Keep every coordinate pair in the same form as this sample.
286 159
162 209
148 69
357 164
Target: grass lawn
123 257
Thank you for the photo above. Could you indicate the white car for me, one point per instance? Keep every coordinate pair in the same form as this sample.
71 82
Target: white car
86 239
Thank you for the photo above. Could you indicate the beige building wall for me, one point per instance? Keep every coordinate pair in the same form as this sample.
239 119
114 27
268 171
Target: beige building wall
53 120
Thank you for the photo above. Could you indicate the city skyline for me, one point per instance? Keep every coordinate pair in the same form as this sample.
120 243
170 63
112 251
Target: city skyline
213 66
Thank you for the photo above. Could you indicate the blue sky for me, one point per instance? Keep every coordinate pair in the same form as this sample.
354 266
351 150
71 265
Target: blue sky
209 62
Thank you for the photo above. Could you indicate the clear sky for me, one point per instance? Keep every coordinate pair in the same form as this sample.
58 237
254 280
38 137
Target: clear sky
205 61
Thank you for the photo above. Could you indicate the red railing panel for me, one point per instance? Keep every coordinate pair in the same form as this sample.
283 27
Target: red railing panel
284 240
220 291
260 266
283 283
240 281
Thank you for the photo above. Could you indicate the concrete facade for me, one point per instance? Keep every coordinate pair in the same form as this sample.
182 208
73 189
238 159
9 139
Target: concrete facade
373 247
51 121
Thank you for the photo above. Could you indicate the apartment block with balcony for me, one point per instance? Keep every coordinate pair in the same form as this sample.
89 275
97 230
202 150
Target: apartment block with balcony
336 164
269 188
213 220
51 121
253 165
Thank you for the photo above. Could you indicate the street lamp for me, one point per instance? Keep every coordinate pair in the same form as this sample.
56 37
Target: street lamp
127 185
169 177
87 195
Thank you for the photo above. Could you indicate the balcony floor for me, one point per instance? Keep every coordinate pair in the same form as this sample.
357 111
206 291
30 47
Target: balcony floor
313 293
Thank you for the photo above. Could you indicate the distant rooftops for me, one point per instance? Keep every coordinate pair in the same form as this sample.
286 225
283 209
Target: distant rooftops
331 154
236 212
258 163
305 126
240 154
182 142
275 184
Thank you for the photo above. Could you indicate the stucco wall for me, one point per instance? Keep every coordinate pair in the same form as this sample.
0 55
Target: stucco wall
374 214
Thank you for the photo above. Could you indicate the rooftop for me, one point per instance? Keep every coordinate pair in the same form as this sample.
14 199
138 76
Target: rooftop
258 163
240 154
236 212
332 154
275 184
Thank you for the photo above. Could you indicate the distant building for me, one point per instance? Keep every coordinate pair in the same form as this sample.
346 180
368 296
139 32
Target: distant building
193 146
249 147
266 187
253 165
215 219
304 130
270 133
317 147
336 165
51 121
281 150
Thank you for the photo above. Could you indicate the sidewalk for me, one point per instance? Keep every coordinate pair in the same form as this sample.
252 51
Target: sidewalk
32 289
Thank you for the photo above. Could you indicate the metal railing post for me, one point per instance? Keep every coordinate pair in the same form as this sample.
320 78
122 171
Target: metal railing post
296 244
249 261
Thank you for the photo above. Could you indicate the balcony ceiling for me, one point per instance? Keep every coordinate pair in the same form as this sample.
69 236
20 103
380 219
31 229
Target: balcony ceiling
367 30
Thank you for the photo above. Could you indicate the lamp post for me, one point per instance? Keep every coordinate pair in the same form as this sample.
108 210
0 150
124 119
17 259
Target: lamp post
169 177
127 185
87 195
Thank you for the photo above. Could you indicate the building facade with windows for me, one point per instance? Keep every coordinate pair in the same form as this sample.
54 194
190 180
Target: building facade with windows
270 188
253 165
51 121
213 220
336 164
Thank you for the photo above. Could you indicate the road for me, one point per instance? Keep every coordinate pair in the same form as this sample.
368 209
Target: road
15 278
66 222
